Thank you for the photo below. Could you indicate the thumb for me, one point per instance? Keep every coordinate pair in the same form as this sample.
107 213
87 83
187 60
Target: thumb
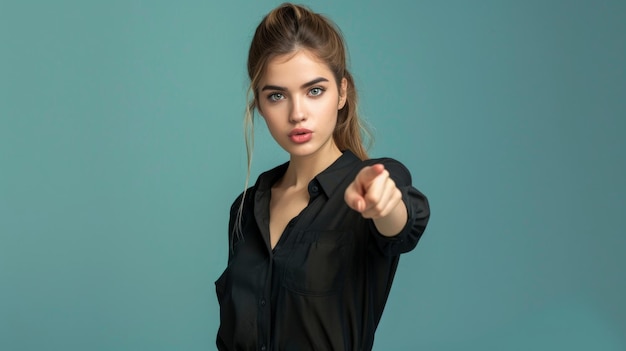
354 197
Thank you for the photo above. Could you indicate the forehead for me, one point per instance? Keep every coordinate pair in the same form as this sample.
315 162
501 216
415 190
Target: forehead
295 68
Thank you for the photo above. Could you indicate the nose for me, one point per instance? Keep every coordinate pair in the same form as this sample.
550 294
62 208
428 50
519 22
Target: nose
297 113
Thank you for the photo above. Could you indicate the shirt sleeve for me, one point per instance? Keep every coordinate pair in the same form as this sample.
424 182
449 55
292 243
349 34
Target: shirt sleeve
418 212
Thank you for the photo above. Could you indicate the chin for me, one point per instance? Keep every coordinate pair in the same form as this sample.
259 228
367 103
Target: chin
301 151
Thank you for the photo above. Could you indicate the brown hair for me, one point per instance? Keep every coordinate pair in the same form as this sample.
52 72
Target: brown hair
285 30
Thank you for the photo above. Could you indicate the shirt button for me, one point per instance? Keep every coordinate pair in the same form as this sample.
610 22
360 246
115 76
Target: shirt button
314 189
263 348
262 302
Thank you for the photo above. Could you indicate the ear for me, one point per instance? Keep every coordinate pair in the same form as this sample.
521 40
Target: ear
343 93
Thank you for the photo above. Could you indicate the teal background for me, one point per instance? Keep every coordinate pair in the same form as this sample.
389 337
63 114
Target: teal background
121 150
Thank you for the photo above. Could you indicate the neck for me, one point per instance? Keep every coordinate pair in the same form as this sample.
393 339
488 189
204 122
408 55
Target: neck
302 169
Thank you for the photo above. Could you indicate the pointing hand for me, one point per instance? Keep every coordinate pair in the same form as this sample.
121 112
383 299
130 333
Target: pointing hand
373 193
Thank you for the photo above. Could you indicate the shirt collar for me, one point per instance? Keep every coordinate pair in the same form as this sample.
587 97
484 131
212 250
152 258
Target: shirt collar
329 179
333 176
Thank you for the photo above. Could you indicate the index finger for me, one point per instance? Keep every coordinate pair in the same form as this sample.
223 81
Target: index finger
369 173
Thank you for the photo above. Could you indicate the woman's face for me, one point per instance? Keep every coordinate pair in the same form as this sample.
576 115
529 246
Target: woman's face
299 99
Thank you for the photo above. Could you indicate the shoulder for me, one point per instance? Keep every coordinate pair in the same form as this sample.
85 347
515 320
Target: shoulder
263 183
234 207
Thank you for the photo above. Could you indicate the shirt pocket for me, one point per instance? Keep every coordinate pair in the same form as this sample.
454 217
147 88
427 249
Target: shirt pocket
318 263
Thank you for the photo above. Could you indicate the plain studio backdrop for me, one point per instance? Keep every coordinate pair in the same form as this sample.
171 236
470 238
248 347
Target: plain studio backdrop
121 151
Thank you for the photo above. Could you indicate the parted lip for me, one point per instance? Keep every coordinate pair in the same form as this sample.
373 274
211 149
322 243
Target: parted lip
298 131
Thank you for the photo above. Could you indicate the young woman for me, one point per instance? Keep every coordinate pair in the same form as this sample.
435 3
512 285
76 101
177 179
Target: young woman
315 243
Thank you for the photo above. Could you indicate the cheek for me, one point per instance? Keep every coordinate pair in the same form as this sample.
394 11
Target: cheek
330 110
268 112
273 118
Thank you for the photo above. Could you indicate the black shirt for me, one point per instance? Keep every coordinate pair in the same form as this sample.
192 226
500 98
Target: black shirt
326 282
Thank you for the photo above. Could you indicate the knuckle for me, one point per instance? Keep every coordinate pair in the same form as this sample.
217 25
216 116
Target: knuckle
378 208
397 193
370 197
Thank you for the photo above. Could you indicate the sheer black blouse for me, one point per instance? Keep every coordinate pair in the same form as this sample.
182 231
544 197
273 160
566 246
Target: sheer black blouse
325 284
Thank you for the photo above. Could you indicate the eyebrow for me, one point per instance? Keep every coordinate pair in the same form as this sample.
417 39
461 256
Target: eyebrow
307 84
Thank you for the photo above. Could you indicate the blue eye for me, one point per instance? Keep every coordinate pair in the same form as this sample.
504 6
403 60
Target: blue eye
275 96
316 91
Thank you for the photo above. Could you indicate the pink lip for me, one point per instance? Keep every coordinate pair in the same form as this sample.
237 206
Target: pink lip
300 135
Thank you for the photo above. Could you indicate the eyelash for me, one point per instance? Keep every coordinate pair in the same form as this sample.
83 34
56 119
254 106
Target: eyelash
272 97
322 90
275 97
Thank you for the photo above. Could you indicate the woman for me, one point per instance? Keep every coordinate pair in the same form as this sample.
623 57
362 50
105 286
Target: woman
315 243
